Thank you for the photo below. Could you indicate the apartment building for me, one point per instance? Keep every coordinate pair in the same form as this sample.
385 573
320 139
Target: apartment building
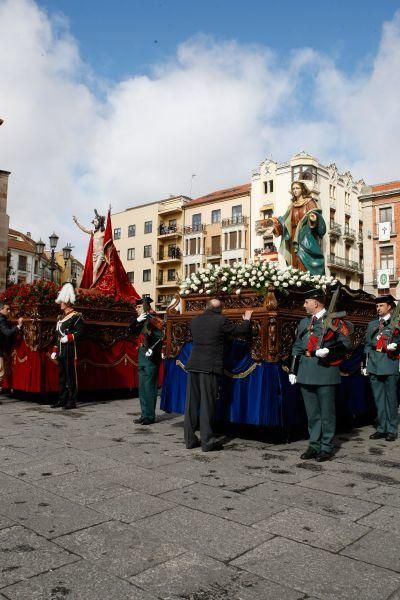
148 239
381 215
23 263
338 197
216 229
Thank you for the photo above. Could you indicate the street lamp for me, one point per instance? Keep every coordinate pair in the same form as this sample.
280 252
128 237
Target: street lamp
53 244
67 250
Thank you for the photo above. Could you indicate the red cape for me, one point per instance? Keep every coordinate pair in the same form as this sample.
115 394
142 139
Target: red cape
112 279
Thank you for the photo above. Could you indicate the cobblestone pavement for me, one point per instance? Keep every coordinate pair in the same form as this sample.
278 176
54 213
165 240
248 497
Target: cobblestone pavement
94 507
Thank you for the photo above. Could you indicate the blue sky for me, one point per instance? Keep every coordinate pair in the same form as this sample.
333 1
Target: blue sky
123 37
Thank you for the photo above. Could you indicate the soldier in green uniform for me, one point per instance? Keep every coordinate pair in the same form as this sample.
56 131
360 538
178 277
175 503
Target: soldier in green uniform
316 355
382 344
148 326
69 329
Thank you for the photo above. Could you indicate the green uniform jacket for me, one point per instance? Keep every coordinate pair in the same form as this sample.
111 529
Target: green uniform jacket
312 370
151 335
379 363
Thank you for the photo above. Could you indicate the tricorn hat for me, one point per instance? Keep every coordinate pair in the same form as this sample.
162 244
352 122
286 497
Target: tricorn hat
145 299
387 298
66 294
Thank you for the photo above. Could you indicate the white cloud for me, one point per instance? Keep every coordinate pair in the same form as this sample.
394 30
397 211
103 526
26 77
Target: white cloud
217 109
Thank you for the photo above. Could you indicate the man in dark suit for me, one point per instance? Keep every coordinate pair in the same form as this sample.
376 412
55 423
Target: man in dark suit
314 367
7 332
205 368
382 345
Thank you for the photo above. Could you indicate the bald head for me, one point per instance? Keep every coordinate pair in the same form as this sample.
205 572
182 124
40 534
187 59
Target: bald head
214 303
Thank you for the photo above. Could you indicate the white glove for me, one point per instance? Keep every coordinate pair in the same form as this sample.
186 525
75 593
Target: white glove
292 378
322 352
392 346
64 339
141 317
53 355
149 353
364 371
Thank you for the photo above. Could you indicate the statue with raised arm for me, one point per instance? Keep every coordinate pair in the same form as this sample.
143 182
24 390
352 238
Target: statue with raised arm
97 234
302 228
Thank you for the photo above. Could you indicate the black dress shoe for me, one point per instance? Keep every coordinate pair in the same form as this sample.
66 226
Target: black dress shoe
309 454
147 421
214 448
323 456
195 444
56 405
138 421
68 406
378 435
391 437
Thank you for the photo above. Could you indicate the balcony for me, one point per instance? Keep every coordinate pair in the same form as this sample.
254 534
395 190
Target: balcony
344 263
269 254
335 229
349 235
165 231
392 230
262 225
168 281
240 220
199 228
394 275
173 255
214 252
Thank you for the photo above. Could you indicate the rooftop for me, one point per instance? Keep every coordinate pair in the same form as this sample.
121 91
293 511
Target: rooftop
225 194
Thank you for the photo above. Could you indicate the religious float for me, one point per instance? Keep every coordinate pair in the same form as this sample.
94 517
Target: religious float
255 389
106 356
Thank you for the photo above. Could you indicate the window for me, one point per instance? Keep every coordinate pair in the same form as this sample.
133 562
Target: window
22 263
196 222
332 191
131 230
265 187
216 216
271 185
131 276
332 214
387 258
147 251
117 233
192 269
385 215
131 254
171 274
148 226
215 245
172 224
36 268
192 246
347 199
304 172
237 213
232 240
147 275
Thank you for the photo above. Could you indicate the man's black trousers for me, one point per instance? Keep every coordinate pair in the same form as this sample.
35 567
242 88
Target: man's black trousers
201 397
68 386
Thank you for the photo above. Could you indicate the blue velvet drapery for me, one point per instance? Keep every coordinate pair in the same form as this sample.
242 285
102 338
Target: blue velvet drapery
259 393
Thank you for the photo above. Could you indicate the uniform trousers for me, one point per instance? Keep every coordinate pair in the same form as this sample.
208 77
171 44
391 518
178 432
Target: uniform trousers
319 401
148 386
384 390
68 383
201 396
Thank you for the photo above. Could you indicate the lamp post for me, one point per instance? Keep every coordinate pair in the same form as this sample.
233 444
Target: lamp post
40 246
53 244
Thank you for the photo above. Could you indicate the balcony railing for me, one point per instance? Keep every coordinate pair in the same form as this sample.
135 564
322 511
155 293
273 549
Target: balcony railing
164 229
262 225
394 275
171 279
239 220
392 228
172 254
335 229
349 234
343 263
200 227
214 251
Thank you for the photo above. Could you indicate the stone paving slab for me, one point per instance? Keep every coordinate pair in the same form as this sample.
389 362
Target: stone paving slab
5 523
128 453
222 503
386 518
24 554
384 494
9 484
315 500
344 484
47 514
325 532
80 581
132 507
379 548
201 532
318 572
118 549
146 480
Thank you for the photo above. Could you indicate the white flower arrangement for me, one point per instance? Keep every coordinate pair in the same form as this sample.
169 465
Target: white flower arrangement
253 276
